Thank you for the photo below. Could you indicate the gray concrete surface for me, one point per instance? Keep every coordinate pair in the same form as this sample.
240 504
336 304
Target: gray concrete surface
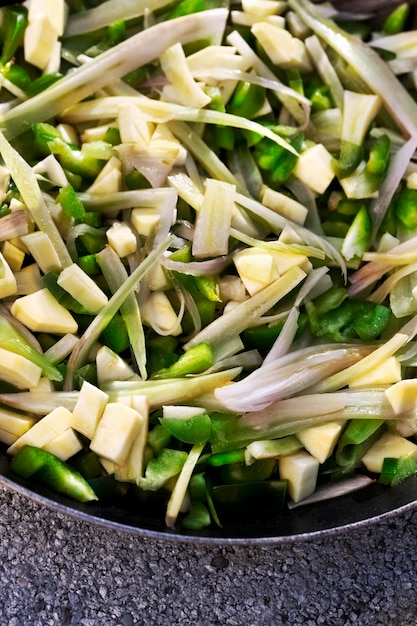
55 570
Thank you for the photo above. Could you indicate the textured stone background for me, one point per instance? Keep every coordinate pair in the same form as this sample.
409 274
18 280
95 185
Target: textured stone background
55 570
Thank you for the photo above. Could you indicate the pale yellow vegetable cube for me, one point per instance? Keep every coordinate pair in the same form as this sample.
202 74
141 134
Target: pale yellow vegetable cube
314 168
145 220
57 11
386 373
320 440
41 312
88 409
65 445
82 287
111 366
283 49
388 446
15 423
256 268
13 255
46 429
18 371
263 8
28 280
122 239
300 470
8 286
403 396
41 248
44 385
7 438
40 38
116 432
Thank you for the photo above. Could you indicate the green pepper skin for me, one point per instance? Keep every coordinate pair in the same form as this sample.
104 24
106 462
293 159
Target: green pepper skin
47 469
395 471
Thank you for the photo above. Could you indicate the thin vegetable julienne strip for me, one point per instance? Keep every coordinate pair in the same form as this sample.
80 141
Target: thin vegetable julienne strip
28 186
111 65
172 390
108 12
116 275
100 322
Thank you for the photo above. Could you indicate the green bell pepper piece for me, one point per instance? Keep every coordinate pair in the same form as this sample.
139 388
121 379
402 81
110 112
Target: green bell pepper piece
49 470
195 429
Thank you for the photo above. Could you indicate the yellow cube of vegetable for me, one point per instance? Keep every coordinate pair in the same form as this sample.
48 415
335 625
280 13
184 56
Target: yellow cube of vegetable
83 288
403 396
65 445
41 312
300 470
320 440
8 286
122 239
46 429
314 168
18 371
387 446
88 409
116 432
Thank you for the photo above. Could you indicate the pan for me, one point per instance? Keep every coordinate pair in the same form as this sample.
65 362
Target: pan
367 506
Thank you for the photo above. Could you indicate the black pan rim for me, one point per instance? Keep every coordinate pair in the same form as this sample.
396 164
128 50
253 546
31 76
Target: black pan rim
394 502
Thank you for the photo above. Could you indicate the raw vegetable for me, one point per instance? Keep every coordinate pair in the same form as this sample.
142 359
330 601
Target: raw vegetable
208 276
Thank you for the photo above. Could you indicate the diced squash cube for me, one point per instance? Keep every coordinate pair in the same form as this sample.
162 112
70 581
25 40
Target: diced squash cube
28 280
13 255
88 409
40 38
314 168
8 286
7 438
256 268
320 440
403 396
145 220
82 287
157 278
259 267
15 423
283 49
116 432
122 239
44 385
56 10
111 366
46 429
41 248
41 312
109 179
263 8
65 445
386 373
300 470
388 446
18 371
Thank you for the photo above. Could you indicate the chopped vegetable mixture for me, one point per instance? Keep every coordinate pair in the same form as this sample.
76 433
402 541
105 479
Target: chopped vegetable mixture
208 266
